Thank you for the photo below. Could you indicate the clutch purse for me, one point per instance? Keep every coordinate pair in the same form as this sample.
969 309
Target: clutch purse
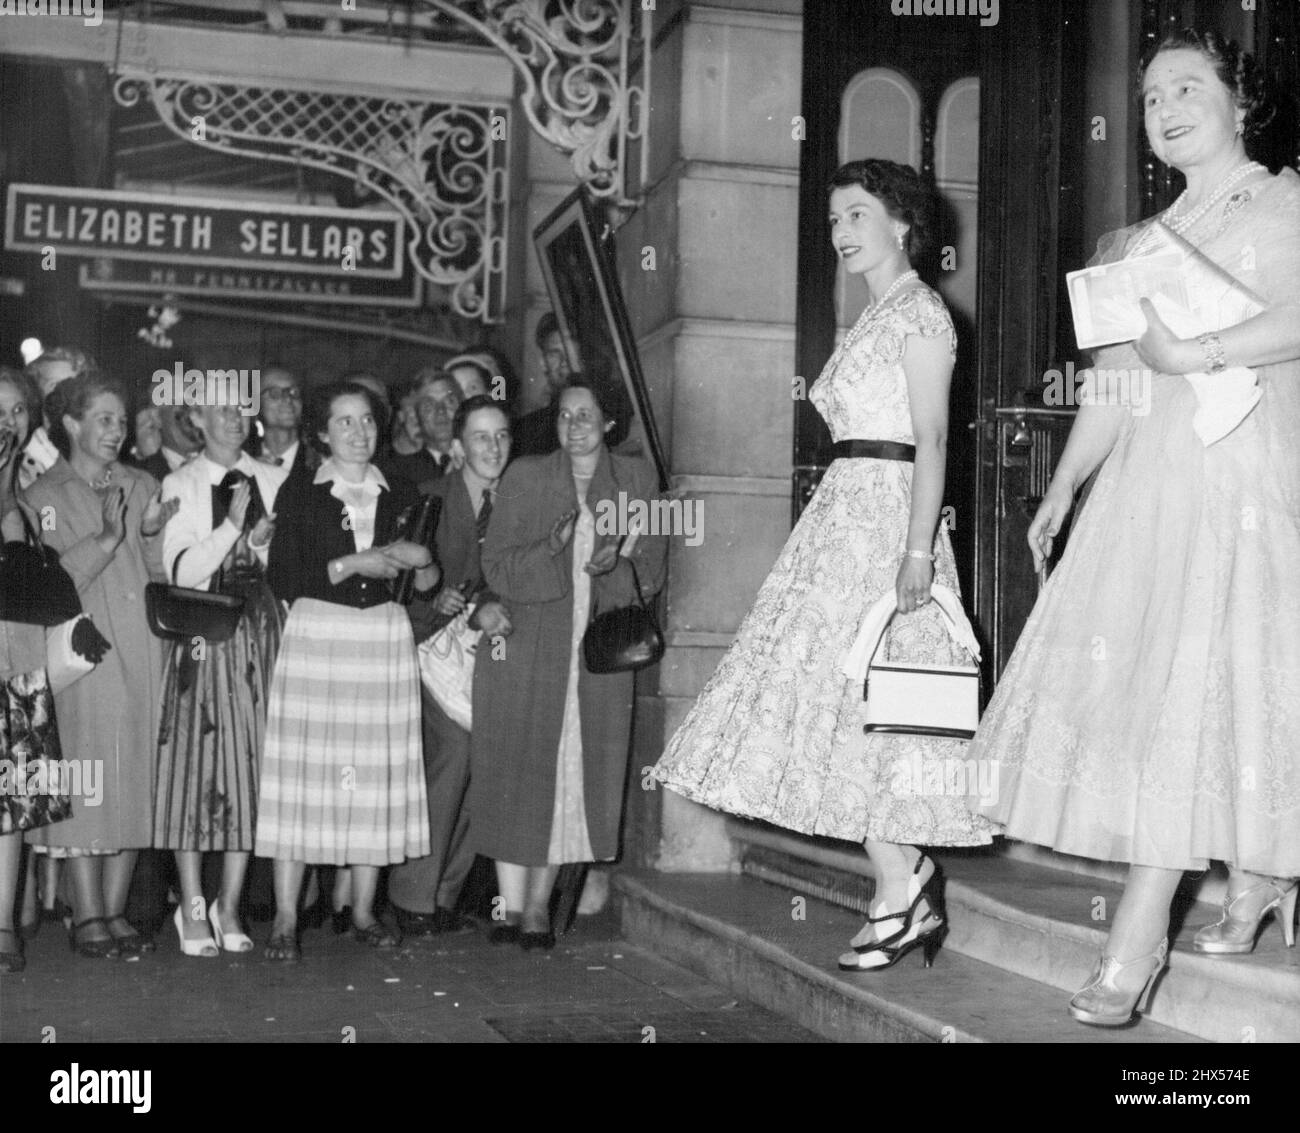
34 588
625 639
907 698
179 613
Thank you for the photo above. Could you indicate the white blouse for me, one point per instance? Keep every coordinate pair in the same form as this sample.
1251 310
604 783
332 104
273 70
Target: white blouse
188 535
360 501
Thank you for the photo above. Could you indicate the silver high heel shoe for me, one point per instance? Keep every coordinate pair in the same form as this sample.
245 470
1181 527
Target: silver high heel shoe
1238 930
1102 1003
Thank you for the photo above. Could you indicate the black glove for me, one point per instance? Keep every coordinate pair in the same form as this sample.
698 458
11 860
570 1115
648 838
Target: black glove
88 642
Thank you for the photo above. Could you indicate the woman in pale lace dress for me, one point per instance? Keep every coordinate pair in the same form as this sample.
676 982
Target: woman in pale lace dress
777 733
1151 711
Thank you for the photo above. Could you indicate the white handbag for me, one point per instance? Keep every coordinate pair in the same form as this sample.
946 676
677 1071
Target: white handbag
447 667
916 699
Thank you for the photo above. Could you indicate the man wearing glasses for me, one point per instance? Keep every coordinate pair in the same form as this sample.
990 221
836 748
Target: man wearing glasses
281 442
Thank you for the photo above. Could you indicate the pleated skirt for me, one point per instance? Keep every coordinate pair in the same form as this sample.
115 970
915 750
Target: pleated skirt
343 775
211 731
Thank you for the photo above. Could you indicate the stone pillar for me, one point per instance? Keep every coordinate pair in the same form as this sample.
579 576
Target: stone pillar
714 322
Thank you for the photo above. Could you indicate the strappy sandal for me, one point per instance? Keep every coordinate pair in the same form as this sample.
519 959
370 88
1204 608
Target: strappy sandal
12 961
284 948
94 949
130 942
916 928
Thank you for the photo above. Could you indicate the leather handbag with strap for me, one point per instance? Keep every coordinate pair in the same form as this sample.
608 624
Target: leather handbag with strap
179 613
34 588
626 639
911 698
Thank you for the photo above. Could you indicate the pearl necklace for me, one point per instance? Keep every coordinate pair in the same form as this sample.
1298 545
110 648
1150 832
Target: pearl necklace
1183 223
860 327
893 287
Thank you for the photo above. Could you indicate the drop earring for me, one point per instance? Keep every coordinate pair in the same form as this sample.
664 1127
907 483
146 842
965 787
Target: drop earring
898 237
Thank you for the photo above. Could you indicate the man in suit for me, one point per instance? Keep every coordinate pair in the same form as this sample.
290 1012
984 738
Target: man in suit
534 433
424 891
437 399
180 442
282 442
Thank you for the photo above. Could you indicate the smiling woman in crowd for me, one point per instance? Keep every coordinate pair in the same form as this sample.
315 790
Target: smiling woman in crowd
214 693
343 776
107 519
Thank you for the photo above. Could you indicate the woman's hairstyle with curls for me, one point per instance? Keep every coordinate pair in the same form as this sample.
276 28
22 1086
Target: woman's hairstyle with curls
906 197
316 418
1236 70
30 392
72 397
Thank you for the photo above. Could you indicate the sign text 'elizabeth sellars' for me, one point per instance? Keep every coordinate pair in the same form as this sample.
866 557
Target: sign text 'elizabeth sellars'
167 229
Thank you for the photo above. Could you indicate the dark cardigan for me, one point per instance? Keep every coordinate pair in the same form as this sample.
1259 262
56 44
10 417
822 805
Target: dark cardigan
310 531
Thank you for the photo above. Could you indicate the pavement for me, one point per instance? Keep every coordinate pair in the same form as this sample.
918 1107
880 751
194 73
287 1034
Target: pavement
452 988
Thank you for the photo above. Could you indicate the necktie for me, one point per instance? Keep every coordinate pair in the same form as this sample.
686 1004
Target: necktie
443 461
222 494
484 514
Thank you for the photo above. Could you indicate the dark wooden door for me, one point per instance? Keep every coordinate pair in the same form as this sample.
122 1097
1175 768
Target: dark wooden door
930 55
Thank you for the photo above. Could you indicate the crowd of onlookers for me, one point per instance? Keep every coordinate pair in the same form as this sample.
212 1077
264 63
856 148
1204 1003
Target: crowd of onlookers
247 690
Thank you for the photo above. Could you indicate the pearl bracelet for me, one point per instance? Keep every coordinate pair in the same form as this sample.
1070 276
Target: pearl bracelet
909 553
1212 348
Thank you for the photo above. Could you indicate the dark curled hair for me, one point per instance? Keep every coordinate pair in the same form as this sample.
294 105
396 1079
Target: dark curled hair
906 197
72 397
613 401
473 405
26 386
1236 70
323 397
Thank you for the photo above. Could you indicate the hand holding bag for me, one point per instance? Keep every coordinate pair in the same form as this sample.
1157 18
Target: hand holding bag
447 667
178 613
622 640
907 698
34 588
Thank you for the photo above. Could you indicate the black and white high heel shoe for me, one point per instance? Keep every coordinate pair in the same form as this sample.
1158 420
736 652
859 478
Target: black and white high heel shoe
921 925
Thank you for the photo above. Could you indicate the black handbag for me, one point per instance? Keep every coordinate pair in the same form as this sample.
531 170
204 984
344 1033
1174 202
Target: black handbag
34 588
624 639
417 524
178 613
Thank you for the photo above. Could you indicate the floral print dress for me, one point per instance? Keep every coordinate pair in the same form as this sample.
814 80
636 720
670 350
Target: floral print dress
777 733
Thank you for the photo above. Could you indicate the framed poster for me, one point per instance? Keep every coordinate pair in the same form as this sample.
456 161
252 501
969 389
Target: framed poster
588 302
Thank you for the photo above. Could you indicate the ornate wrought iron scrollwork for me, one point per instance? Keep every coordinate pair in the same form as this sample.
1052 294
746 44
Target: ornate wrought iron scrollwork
573 58
441 165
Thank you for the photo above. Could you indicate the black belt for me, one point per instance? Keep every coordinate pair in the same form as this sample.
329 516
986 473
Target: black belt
875 450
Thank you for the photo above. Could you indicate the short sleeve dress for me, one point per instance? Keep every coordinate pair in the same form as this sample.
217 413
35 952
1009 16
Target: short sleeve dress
777 732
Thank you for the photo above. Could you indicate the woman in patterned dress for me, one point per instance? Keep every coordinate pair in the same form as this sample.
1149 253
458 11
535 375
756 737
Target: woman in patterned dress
29 740
214 693
777 733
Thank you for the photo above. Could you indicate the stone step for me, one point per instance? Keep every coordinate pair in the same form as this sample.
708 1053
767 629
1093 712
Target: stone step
1049 925
779 949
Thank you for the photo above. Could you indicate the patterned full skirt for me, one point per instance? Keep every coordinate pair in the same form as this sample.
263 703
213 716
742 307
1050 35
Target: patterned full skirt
777 733
343 778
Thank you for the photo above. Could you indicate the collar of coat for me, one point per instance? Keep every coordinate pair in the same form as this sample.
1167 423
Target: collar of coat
604 483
